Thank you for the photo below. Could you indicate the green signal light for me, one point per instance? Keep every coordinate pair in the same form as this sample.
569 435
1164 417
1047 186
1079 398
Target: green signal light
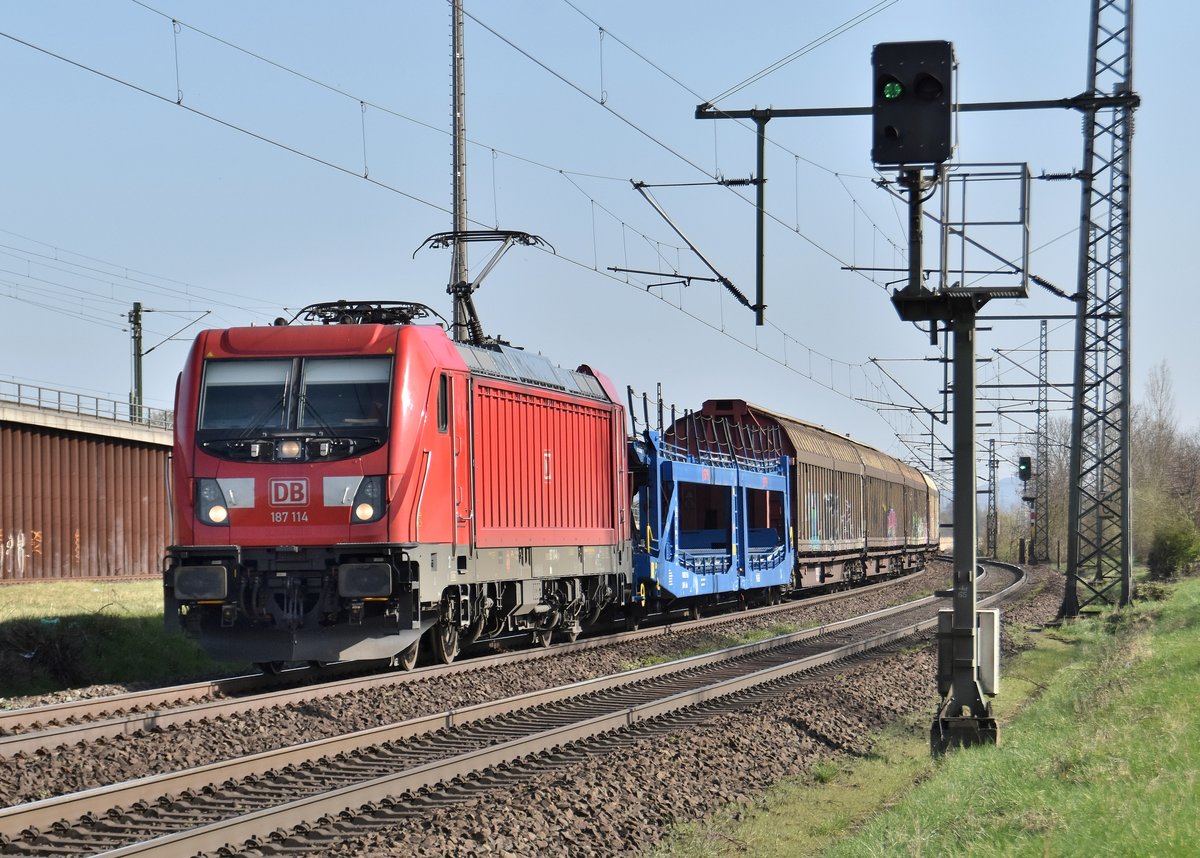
892 90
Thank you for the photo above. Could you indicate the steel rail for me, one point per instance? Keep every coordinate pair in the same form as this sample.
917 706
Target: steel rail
156 709
260 825
35 717
49 813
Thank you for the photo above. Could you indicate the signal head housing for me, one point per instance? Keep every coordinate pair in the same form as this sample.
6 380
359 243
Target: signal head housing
912 103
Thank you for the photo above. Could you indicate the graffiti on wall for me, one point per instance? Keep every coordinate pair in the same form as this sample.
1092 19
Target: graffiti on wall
16 549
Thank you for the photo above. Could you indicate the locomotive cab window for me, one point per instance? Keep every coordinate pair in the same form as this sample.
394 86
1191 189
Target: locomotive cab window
340 392
244 394
443 413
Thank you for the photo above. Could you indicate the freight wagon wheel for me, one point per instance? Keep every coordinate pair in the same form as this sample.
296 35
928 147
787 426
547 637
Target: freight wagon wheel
406 659
445 642
541 637
270 668
693 611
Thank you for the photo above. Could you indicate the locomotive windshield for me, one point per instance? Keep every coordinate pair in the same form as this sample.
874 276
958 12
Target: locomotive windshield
240 394
331 396
343 392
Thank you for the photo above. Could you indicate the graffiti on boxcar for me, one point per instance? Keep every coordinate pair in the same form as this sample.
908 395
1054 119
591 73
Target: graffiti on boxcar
892 522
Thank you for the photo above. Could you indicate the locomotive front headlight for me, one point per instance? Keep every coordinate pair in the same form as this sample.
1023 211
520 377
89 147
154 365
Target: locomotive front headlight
211 506
368 501
290 449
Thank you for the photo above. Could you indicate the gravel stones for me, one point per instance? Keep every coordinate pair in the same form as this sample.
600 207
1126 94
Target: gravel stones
615 800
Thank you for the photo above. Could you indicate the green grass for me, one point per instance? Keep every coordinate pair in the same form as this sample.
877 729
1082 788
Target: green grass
37 600
802 817
1098 753
63 634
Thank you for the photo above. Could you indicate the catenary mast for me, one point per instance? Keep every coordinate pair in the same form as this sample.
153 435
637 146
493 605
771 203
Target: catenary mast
1099 538
460 286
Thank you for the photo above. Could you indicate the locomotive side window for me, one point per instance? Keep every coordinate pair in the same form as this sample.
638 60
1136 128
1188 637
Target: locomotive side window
344 392
241 394
443 402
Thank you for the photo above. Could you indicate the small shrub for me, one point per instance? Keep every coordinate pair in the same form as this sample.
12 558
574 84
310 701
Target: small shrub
1127 621
1174 551
825 771
1150 591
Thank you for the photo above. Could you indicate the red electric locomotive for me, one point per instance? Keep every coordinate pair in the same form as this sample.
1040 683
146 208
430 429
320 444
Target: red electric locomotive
343 487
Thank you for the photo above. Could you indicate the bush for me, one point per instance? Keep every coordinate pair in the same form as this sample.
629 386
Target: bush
37 656
1174 551
41 655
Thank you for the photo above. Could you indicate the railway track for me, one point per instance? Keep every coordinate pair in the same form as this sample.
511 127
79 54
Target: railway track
324 786
30 730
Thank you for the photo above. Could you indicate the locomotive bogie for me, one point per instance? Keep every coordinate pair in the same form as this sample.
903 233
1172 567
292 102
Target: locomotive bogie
493 607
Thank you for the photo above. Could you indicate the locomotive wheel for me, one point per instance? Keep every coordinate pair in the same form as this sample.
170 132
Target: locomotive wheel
633 617
406 659
445 642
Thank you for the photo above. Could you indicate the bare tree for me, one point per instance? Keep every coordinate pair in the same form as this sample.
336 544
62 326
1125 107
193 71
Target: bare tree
1165 463
1153 433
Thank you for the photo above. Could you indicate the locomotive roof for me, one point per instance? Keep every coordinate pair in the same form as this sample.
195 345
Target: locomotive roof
513 364
493 360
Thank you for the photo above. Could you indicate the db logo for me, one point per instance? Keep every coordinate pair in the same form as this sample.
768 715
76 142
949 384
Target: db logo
288 492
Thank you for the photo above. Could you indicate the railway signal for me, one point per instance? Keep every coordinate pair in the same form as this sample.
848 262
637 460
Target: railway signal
911 103
1024 468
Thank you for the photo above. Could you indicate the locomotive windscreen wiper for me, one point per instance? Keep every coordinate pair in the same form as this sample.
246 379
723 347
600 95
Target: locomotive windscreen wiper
307 409
258 423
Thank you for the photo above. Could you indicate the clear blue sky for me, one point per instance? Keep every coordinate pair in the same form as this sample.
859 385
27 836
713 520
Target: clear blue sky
111 193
